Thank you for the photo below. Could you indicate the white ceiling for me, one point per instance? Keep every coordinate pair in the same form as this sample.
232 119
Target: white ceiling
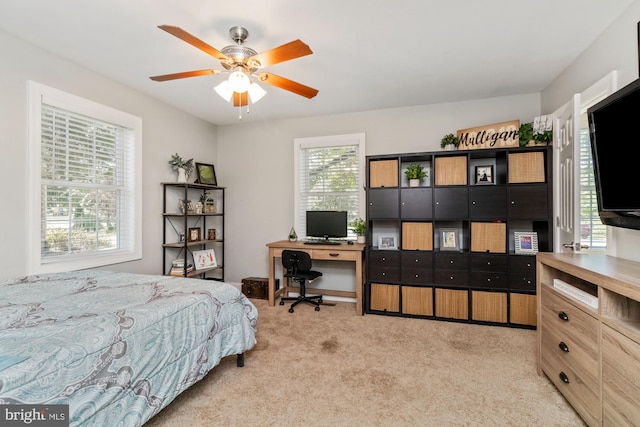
368 55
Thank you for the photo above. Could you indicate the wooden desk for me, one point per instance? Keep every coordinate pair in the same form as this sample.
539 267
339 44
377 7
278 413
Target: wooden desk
344 252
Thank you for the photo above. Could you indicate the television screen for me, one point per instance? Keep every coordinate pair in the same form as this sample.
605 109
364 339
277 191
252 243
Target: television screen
326 224
614 136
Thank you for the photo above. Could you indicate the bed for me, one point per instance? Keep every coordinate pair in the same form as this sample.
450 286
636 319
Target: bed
116 347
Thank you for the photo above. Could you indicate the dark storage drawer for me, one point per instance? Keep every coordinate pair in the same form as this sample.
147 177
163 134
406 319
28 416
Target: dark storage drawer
452 278
416 276
528 201
382 203
522 282
451 202
416 259
488 280
384 258
384 274
487 202
416 203
523 264
488 262
451 261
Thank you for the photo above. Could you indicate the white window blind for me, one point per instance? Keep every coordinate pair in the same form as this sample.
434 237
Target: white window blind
592 231
330 172
87 180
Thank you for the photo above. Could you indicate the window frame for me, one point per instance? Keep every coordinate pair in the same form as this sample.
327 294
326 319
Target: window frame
36 264
327 142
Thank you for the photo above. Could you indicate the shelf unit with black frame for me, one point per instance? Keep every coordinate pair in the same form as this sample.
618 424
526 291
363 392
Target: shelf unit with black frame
180 218
454 255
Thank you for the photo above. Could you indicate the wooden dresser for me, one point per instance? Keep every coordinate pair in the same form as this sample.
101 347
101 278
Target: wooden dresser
589 334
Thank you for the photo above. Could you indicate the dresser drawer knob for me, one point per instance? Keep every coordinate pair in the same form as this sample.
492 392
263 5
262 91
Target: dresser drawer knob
563 347
564 378
563 316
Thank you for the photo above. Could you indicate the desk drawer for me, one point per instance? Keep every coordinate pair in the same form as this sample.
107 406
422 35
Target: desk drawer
335 254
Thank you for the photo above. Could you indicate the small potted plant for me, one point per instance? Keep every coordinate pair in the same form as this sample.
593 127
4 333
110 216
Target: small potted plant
525 134
449 142
415 174
360 228
184 167
293 236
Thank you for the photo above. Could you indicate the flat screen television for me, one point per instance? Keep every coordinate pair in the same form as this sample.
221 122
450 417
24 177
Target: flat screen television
326 224
615 136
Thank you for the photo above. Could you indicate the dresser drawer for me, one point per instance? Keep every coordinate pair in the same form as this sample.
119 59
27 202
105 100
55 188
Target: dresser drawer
416 276
559 314
384 258
416 259
488 262
451 261
522 282
384 274
579 390
452 278
488 280
525 264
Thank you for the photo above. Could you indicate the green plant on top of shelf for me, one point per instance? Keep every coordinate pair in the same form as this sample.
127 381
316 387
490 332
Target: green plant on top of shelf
449 139
358 226
177 162
415 171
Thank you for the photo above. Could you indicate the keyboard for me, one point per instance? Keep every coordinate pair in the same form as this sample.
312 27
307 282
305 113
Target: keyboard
322 242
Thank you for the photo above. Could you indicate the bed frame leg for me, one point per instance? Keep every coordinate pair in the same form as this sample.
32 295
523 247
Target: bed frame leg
240 360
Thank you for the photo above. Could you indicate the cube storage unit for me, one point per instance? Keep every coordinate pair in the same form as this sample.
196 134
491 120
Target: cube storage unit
456 256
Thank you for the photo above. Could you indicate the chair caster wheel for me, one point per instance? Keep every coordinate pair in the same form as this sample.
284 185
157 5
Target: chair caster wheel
281 302
320 300
317 308
291 310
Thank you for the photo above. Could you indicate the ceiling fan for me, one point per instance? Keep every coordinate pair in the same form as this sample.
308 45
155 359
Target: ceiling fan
242 63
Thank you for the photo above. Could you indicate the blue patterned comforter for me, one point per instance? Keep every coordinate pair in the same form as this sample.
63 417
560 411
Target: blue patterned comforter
116 347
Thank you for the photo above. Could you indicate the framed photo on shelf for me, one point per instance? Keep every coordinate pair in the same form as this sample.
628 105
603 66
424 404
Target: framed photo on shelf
194 234
484 175
526 242
449 239
204 259
206 174
387 242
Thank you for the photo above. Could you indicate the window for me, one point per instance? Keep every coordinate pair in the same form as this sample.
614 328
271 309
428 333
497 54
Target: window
328 176
593 232
85 201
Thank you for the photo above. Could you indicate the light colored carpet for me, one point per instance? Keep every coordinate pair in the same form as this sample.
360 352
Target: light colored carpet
333 368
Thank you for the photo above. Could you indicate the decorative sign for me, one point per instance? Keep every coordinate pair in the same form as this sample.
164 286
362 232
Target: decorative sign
497 135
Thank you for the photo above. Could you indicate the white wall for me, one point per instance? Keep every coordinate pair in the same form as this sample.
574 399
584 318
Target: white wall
256 163
165 131
615 49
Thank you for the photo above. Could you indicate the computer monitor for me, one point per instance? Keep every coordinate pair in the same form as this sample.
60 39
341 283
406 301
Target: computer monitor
326 224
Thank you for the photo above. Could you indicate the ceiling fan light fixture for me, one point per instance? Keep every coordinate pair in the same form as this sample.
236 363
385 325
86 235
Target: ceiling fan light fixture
239 80
225 90
256 92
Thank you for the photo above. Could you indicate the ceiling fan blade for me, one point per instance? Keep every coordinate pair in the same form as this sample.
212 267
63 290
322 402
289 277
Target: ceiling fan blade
183 75
194 41
286 84
240 99
291 50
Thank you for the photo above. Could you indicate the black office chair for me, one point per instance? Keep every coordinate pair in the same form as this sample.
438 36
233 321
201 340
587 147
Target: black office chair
298 269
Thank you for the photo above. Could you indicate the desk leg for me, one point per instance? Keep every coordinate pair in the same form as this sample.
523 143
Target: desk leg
359 286
272 280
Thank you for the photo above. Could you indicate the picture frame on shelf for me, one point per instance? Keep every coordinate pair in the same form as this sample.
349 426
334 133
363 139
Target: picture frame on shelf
387 242
194 234
484 175
204 259
449 239
206 174
526 242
